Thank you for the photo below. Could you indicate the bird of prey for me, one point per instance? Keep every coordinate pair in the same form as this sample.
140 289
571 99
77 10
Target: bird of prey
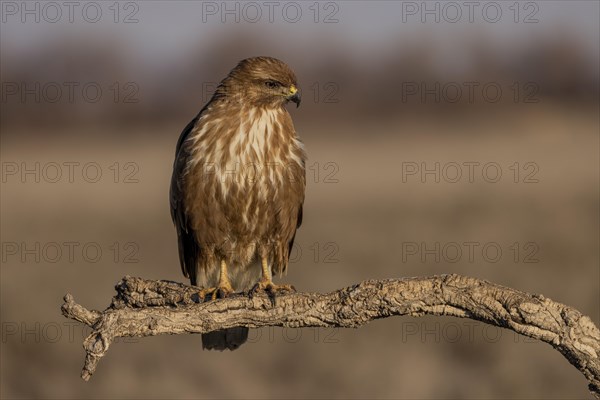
237 188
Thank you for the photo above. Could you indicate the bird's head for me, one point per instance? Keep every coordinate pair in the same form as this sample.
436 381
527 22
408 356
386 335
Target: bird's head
263 82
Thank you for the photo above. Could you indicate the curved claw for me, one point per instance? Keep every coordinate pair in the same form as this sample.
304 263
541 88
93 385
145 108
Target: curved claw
214 293
271 289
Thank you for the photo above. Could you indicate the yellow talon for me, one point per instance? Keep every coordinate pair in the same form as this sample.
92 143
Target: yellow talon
266 283
223 290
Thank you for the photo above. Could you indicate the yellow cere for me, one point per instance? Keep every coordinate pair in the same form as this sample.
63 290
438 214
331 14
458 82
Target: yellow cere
293 89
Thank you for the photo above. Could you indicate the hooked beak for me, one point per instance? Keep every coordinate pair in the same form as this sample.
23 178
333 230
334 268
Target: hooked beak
294 95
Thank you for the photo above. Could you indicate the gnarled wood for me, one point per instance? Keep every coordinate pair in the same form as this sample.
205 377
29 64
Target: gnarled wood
147 308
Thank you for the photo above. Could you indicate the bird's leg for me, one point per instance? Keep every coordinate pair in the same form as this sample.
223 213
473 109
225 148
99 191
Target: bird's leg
266 282
223 290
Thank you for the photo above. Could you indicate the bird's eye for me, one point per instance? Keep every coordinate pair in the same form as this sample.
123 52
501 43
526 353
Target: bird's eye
272 84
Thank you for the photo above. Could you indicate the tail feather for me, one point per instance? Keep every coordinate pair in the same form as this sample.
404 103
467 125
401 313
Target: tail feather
229 339
242 279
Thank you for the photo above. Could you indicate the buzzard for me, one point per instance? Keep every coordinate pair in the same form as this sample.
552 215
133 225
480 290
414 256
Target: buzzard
238 187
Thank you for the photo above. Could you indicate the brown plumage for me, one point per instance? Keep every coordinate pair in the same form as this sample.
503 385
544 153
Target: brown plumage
238 186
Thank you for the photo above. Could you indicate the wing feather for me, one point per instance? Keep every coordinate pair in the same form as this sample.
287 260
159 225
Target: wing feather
299 217
189 250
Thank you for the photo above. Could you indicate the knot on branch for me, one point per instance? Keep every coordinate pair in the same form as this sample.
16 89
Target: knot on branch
138 292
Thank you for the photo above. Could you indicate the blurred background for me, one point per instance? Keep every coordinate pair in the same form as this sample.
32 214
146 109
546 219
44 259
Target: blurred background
443 137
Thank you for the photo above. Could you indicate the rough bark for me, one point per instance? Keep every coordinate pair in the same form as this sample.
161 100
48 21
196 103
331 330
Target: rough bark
147 308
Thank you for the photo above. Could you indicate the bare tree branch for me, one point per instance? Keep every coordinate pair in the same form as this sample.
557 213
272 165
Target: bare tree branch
147 308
